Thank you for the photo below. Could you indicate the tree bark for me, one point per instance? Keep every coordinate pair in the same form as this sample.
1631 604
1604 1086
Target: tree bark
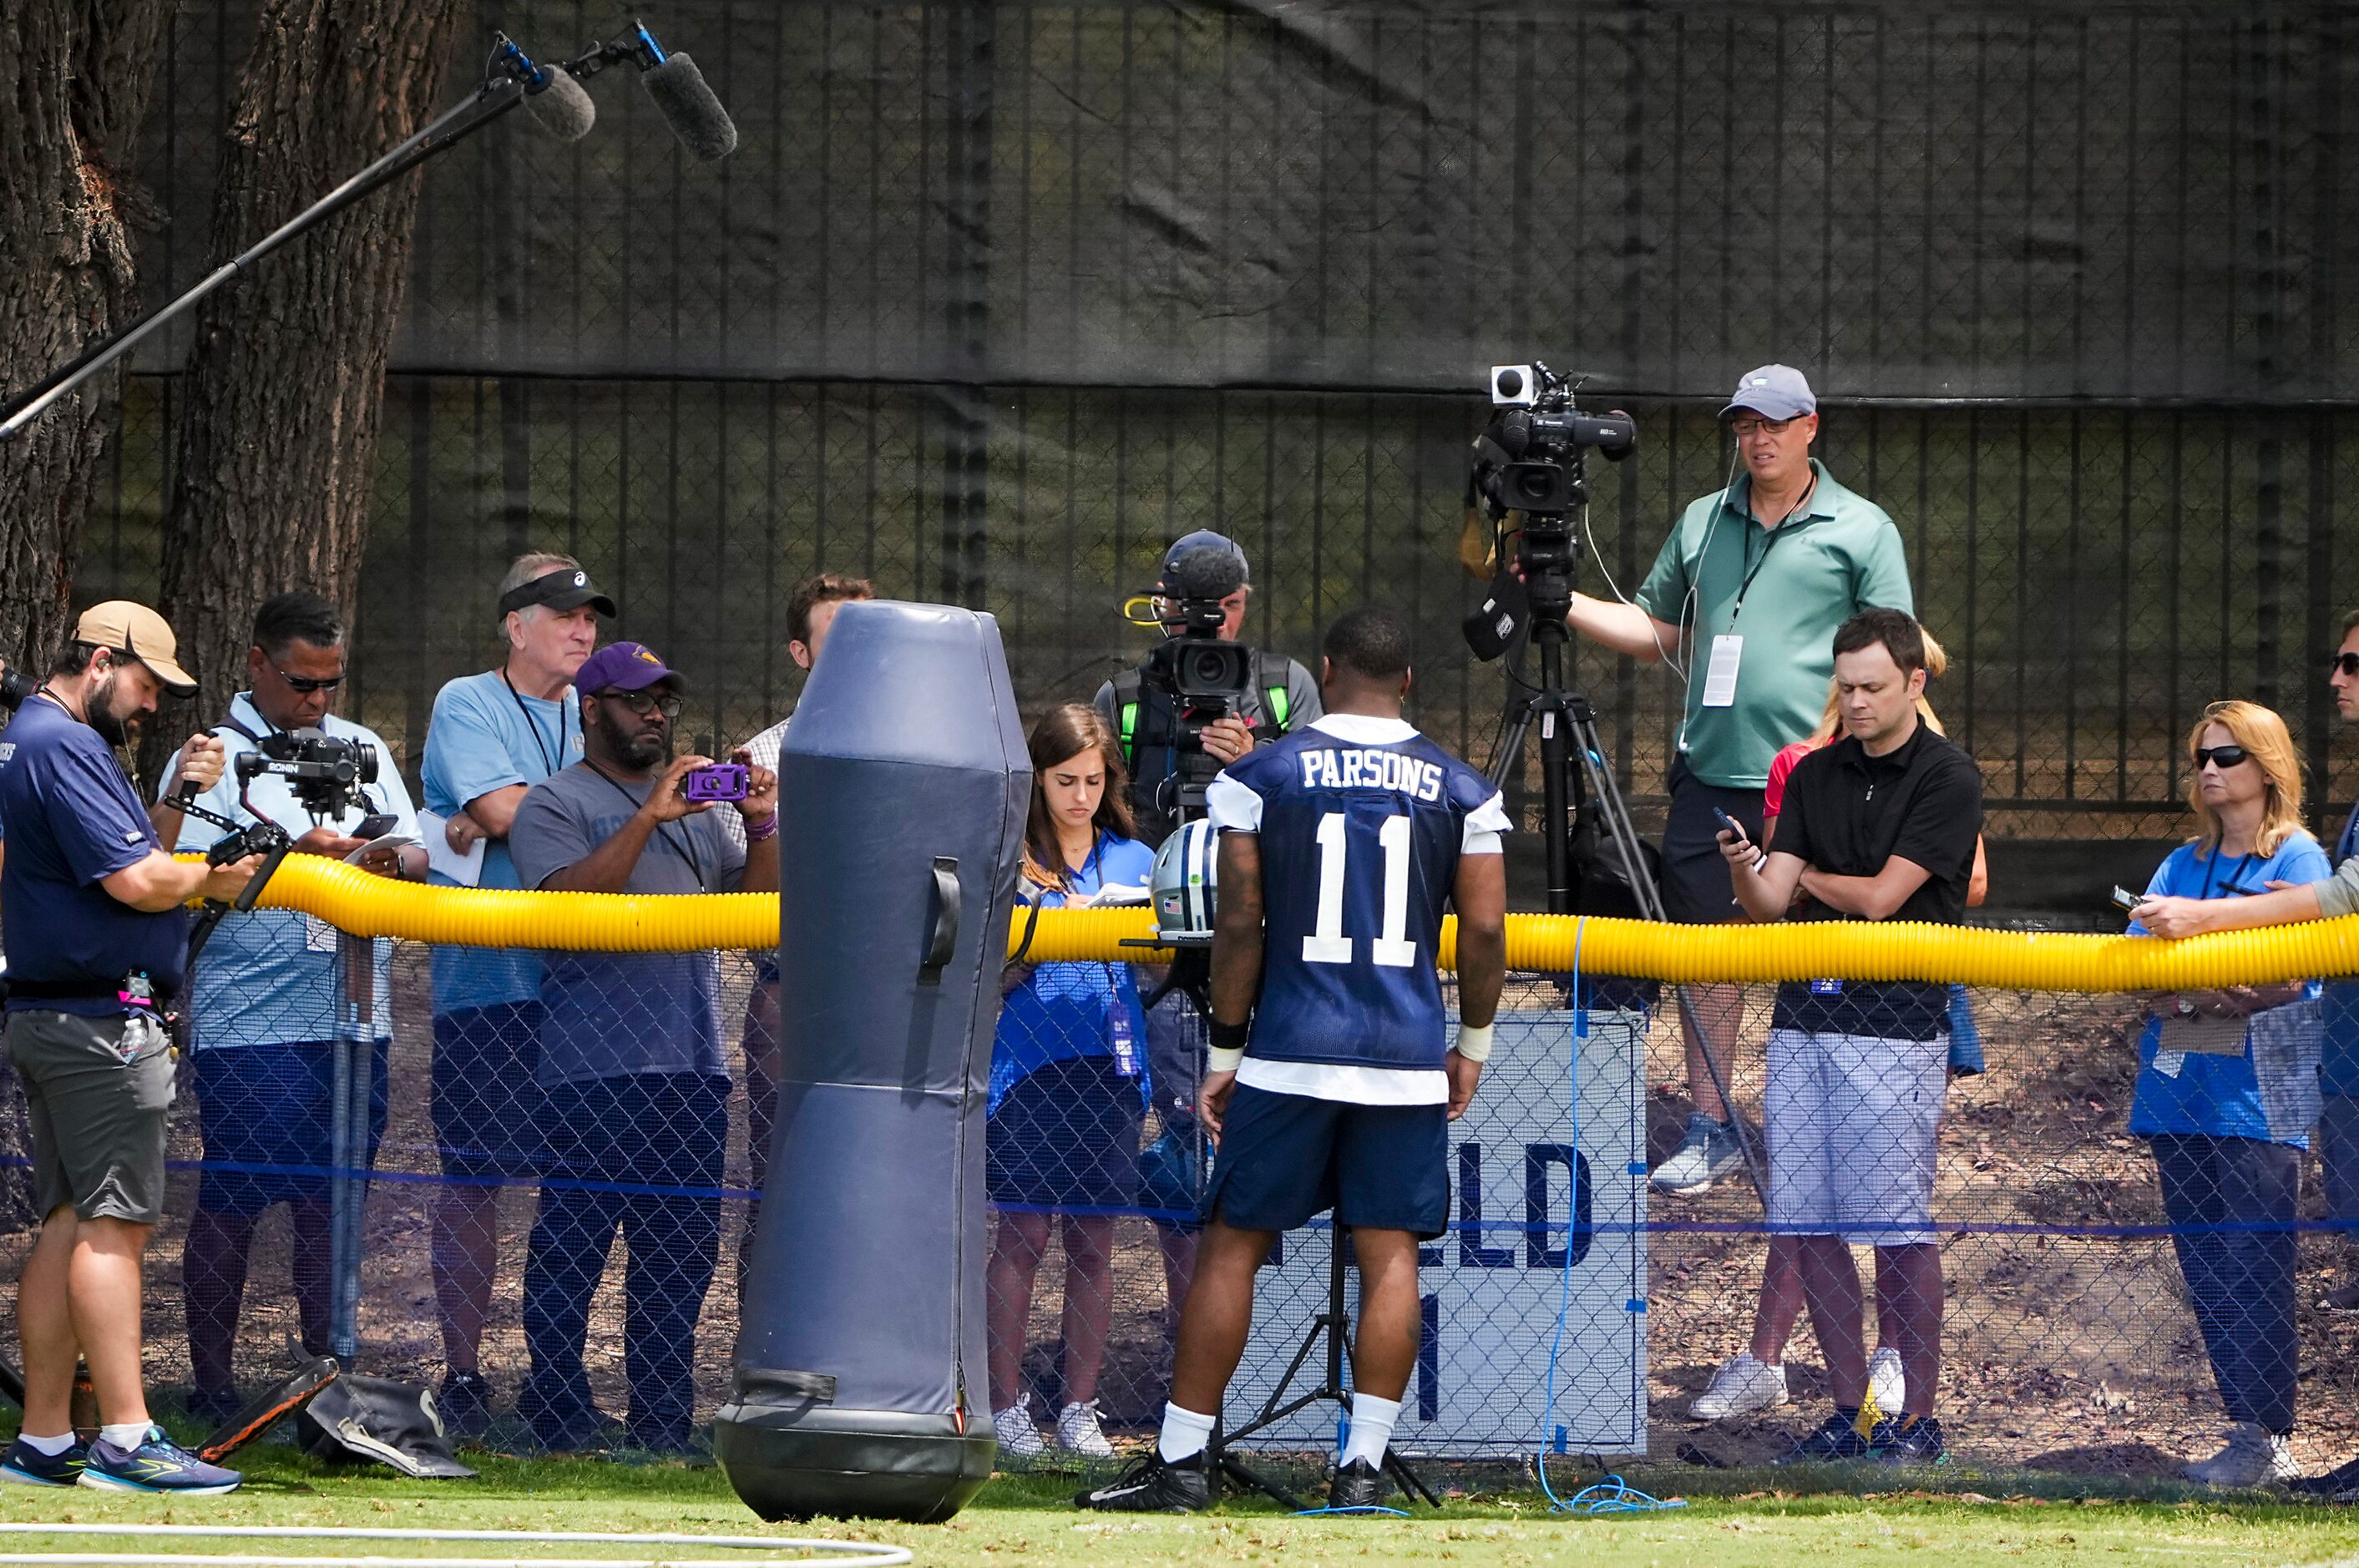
275 431
77 75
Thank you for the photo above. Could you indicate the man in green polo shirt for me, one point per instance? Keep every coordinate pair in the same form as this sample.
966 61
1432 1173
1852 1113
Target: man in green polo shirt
1744 599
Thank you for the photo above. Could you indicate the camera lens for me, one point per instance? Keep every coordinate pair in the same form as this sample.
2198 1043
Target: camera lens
1534 485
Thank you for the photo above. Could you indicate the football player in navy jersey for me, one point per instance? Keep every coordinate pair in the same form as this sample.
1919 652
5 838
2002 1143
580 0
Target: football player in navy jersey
1332 1077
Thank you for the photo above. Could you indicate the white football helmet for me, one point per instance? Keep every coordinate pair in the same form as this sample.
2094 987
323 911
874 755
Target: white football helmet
1184 885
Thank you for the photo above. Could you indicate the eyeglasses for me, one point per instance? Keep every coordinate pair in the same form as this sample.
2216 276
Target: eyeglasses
2346 663
643 703
1745 429
310 682
2223 757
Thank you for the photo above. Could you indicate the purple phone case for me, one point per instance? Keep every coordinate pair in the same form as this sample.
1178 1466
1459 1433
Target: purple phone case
721 782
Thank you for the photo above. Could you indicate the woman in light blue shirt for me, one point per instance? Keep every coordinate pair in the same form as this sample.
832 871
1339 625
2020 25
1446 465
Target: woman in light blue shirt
1068 1085
2227 1091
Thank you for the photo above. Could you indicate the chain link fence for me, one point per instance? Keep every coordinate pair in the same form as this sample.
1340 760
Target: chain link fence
1569 1309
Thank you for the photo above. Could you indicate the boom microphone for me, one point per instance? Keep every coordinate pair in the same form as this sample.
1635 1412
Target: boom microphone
690 108
562 105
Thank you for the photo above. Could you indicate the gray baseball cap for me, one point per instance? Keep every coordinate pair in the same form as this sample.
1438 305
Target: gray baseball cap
1774 392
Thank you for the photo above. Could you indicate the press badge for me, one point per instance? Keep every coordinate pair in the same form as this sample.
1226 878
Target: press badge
1719 676
1826 987
1125 1044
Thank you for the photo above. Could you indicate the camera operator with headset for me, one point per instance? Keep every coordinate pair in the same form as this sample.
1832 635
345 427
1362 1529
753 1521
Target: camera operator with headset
1168 740
269 999
1764 679
98 944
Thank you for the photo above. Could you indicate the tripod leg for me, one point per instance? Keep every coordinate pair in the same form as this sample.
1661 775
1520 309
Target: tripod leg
1608 795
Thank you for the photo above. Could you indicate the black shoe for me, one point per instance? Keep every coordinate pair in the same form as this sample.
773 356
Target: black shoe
464 1403
1835 1441
1358 1484
214 1408
1154 1486
2340 1484
1916 1442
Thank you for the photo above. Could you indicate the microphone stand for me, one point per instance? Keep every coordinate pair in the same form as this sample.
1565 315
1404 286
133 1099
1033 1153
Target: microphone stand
510 82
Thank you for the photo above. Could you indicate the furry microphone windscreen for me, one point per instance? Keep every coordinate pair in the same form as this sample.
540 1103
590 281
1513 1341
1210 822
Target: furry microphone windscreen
690 108
562 105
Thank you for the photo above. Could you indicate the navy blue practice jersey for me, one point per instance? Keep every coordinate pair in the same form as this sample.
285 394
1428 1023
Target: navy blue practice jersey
1362 822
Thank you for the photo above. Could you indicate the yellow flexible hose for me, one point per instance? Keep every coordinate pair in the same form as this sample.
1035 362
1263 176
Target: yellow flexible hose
354 901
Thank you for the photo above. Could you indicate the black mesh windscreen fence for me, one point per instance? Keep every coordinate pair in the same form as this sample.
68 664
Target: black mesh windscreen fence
993 302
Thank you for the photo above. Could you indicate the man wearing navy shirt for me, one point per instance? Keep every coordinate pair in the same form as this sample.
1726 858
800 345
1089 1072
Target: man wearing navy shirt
1339 846
98 941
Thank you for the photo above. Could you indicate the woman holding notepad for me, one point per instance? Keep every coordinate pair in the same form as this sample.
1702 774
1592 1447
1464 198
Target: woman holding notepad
2227 1091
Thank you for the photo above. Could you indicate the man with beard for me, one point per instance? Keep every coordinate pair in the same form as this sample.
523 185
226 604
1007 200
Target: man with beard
634 1092
98 941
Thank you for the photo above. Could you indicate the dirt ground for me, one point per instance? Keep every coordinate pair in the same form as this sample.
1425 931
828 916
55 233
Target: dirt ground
2064 1349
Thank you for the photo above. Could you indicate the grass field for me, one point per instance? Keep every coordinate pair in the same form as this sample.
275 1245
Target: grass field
1740 1522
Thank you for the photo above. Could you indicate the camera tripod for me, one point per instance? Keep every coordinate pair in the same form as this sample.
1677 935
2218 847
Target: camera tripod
1568 740
1328 1331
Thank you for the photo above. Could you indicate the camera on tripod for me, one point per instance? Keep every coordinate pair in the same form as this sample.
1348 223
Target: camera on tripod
1204 676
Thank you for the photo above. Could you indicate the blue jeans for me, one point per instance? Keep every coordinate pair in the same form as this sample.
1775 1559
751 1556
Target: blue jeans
614 1147
2238 1196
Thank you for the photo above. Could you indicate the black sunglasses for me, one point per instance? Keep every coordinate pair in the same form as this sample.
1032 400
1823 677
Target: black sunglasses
643 703
2226 757
2348 663
310 682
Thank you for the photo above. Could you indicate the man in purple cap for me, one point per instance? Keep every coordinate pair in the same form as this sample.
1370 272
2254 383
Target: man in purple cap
634 1092
1748 620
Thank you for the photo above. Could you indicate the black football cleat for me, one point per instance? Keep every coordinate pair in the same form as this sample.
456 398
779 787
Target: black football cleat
1153 1485
1358 1484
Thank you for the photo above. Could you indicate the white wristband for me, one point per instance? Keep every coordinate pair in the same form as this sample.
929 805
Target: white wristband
1473 1043
1221 1060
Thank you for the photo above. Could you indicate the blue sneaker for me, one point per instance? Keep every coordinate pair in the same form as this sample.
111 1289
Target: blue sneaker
28 1466
158 1464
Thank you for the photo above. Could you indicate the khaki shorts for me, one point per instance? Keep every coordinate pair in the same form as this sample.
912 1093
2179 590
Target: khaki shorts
99 1091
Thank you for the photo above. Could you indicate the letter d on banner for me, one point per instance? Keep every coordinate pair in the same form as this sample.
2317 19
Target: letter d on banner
861 1386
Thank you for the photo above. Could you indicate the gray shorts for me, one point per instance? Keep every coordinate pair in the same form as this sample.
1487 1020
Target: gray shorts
99 1091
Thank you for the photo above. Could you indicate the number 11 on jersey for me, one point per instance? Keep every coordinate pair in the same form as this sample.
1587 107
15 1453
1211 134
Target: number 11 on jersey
1326 943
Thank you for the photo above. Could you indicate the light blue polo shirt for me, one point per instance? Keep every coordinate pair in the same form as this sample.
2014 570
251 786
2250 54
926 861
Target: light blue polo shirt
272 977
2214 1094
486 737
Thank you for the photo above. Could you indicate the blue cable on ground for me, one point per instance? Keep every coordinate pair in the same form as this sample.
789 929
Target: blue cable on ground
1613 1496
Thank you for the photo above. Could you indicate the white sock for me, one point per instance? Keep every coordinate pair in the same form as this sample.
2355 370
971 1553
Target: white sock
126 1434
1372 1429
1185 1434
49 1447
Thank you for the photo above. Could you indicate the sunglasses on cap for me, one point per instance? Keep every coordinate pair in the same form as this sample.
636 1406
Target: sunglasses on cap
2223 757
2344 663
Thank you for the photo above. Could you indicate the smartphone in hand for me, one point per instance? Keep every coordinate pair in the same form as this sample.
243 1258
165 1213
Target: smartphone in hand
1731 824
377 824
2124 900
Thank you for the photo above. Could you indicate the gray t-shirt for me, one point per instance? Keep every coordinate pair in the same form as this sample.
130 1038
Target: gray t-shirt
609 1015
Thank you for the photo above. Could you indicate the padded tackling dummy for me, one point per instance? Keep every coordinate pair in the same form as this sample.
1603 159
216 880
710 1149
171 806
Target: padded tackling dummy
861 1384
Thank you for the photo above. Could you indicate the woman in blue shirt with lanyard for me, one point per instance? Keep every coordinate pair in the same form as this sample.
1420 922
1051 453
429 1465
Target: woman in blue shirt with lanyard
2227 1090
1068 1089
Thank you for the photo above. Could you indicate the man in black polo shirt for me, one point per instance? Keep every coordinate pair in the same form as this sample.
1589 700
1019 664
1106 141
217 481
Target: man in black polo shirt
1880 825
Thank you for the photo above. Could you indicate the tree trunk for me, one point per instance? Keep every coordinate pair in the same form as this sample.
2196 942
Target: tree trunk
76 76
276 433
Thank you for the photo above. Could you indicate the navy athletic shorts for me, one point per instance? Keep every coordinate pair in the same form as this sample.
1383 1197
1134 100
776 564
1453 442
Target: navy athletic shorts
1284 1158
269 1129
1696 888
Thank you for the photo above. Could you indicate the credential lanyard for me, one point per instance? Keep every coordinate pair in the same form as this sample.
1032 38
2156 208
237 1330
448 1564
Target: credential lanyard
685 850
542 744
1770 538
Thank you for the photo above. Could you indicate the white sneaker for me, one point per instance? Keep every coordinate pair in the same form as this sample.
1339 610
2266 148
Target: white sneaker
1739 1388
1014 1429
1078 1432
1886 1382
2252 1456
